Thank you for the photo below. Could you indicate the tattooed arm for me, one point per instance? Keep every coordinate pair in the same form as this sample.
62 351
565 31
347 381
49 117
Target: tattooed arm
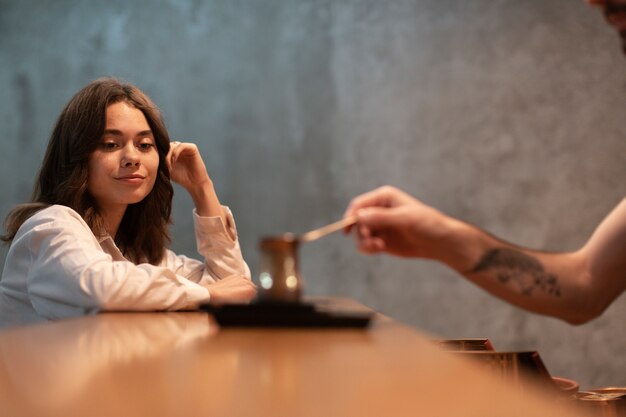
575 286
555 284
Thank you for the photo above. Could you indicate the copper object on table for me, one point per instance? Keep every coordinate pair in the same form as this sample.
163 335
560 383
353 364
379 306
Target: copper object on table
514 367
464 345
510 365
567 386
279 278
604 402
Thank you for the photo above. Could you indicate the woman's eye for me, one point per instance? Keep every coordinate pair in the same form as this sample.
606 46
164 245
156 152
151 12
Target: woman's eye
146 146
108 145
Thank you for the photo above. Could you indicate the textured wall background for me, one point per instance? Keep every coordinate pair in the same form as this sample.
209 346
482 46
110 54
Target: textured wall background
508 114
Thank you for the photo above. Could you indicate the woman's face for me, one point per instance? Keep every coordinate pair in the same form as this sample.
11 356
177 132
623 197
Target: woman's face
124 166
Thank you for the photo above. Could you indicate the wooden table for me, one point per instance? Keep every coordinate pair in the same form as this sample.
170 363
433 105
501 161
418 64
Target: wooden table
183 364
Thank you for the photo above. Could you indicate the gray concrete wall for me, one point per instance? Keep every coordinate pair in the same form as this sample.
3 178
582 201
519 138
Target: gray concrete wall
508 114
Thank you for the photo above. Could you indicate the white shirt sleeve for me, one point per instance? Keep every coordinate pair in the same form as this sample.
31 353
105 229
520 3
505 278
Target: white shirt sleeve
221 253
64 271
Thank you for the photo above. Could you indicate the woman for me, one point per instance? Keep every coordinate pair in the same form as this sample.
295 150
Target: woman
94 236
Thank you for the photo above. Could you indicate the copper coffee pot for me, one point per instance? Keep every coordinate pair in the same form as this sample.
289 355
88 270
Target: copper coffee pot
279 277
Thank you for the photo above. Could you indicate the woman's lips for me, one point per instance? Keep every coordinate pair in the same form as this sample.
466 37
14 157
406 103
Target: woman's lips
131 179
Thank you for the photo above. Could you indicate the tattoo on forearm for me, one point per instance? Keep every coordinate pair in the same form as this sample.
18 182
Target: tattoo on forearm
518 268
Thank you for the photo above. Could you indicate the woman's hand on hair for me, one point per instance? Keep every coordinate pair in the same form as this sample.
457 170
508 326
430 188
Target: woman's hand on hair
186 166
188 170
232 289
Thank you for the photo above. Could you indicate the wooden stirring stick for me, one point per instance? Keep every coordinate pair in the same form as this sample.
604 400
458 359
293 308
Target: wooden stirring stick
324 230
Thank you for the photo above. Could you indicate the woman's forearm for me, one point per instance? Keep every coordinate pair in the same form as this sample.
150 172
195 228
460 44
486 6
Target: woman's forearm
206 201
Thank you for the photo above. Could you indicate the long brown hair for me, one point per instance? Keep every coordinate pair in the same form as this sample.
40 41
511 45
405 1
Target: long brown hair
143 232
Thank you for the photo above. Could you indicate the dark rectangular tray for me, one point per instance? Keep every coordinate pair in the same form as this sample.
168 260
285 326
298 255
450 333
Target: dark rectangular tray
264 314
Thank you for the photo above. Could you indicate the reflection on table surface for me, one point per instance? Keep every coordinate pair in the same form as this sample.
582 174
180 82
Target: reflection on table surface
183 364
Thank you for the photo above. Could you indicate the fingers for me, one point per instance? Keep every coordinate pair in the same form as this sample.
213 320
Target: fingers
366 242
177 148
188 155
232 289
379 229
372 219
371 246
376 197
170 155
385 196
235 281
386 217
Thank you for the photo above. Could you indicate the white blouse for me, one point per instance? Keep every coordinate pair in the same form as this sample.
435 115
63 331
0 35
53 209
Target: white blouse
57 268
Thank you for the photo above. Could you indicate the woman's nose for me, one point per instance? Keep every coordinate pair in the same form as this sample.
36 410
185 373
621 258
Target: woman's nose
130 157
